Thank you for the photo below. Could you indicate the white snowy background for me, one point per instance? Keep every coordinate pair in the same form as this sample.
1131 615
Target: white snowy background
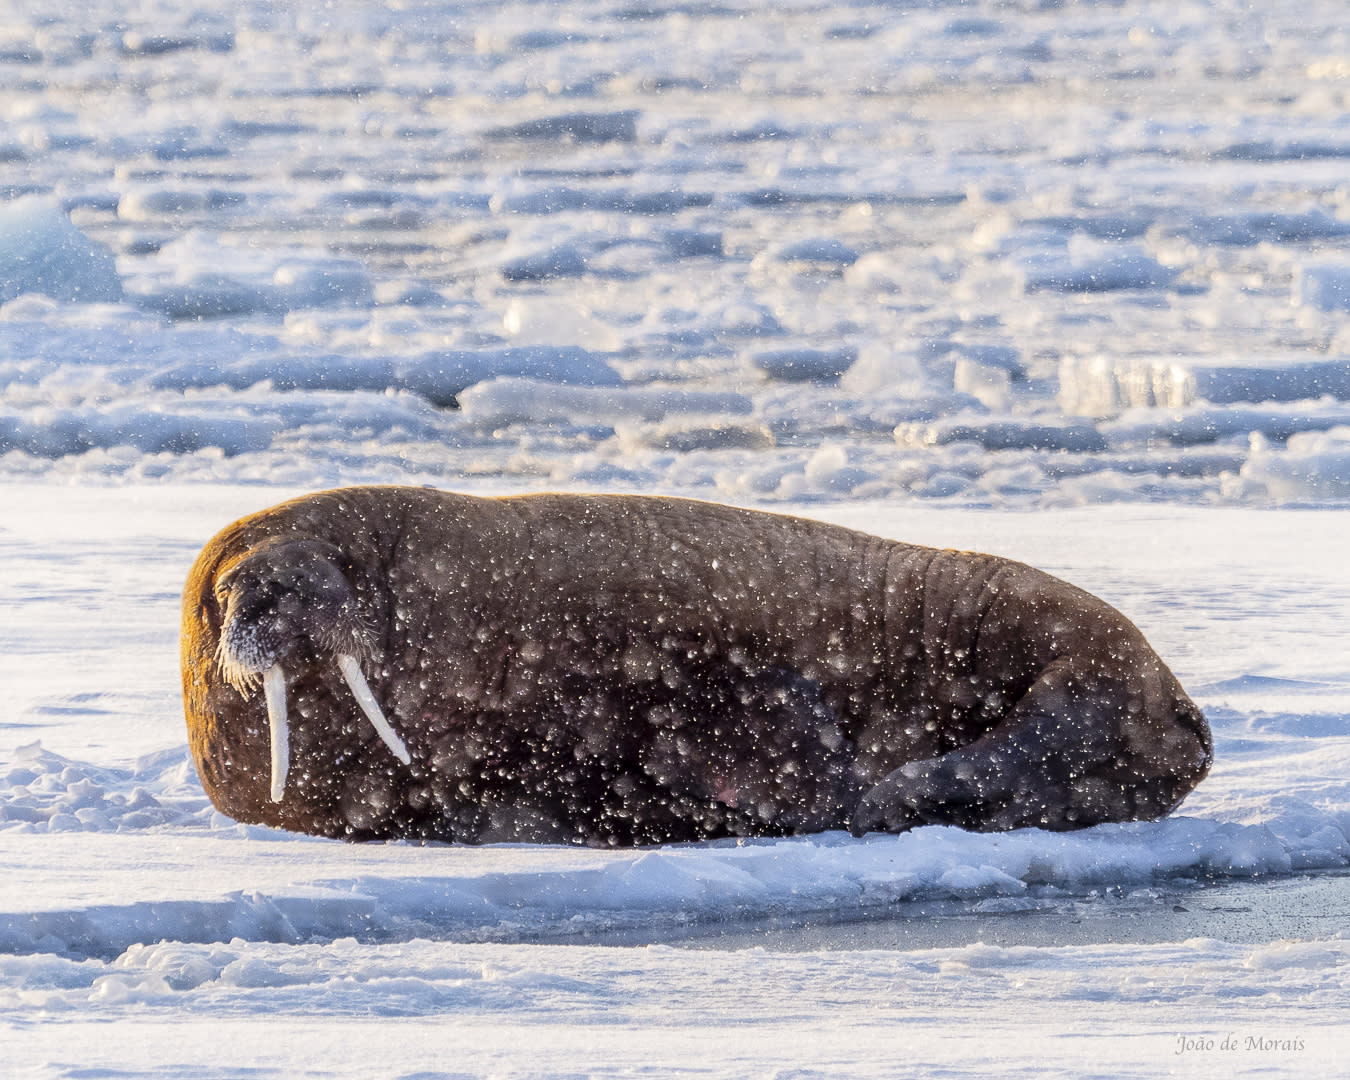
1067 281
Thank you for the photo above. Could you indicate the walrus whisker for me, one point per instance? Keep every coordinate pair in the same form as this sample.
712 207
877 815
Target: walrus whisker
274 688
238 665
351 671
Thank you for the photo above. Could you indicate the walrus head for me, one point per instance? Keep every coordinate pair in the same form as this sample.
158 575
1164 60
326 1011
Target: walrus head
290 603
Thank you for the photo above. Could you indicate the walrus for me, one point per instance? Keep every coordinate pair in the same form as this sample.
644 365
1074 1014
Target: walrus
395 662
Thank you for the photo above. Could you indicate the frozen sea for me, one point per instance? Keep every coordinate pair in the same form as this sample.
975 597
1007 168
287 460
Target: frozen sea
1068 282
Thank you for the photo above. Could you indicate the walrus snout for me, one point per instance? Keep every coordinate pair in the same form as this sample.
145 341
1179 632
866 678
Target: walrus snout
286 601
290 604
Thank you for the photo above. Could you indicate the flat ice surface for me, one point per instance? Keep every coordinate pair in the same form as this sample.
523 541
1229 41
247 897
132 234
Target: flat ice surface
124 897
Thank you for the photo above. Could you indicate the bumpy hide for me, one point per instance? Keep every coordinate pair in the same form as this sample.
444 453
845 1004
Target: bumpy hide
399 662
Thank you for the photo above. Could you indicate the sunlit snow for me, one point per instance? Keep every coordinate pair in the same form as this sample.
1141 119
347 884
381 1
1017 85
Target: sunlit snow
914 267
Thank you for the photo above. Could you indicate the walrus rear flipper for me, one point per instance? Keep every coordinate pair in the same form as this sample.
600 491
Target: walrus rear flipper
1073 752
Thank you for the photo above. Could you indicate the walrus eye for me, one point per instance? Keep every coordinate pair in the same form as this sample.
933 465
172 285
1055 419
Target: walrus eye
351 671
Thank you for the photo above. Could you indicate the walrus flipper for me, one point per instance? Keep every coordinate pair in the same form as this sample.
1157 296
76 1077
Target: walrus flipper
1074 752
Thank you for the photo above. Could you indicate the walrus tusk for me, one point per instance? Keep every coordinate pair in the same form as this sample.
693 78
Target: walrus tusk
351 671
274 688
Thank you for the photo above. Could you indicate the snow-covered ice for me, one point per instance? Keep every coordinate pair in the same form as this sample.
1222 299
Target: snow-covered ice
429 1010
42 252
916 268
126 896
1049 214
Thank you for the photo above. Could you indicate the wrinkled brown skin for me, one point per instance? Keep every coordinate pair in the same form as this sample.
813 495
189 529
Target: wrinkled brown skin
621 670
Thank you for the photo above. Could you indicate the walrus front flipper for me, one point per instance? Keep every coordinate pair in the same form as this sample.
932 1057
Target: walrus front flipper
1077 750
